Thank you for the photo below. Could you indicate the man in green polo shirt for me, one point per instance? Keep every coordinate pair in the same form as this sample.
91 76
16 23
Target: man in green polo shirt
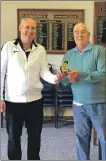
87 77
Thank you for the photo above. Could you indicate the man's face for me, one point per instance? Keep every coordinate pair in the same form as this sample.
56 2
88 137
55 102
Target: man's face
28 30
81 35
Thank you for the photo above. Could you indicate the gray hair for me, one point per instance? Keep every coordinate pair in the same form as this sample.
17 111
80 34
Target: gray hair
81 23
24 18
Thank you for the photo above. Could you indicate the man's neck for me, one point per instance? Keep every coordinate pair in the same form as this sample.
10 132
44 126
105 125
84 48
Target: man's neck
82 47
26 46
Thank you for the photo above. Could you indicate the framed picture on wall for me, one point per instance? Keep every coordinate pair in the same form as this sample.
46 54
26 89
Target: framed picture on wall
54 27
100 23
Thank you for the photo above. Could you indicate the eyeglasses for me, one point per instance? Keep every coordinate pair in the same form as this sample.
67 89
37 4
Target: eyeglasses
77 32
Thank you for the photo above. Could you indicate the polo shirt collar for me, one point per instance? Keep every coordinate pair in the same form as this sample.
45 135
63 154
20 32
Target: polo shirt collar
89 47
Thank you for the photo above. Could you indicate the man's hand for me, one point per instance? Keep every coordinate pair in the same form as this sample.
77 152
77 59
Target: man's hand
60 76
73 75
2 106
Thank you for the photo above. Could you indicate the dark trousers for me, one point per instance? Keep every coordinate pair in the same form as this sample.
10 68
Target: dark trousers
30 113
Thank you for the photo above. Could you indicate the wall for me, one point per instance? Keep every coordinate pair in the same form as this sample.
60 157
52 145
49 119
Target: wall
9 20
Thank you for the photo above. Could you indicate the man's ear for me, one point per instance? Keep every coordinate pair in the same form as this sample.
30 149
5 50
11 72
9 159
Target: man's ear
19 27
89 34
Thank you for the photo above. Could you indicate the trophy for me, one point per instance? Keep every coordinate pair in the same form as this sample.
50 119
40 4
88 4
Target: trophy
64 67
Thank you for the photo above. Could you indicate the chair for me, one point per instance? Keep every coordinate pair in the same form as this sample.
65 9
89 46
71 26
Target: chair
64 98
48 93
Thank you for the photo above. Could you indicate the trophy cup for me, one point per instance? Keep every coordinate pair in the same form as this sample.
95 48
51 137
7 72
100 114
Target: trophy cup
64 67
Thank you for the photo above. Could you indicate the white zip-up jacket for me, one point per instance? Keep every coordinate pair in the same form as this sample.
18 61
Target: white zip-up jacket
21 74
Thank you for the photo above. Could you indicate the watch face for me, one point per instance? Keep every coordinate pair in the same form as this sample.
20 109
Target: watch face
50 16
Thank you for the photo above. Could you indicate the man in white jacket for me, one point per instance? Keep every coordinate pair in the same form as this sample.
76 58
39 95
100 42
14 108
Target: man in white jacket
23 62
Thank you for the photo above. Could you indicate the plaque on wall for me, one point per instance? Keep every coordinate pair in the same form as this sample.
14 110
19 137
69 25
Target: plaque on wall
100 23
54 27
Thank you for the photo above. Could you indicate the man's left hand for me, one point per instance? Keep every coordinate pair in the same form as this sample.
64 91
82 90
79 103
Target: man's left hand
73 75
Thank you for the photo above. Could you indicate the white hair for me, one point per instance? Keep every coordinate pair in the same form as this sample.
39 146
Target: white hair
81 23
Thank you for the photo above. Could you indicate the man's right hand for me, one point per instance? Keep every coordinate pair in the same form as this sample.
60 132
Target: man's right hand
60 76
2 106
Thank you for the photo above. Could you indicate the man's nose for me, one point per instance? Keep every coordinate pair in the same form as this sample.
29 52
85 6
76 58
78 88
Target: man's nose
30 30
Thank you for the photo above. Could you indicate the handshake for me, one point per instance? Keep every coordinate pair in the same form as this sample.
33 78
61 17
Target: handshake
72 75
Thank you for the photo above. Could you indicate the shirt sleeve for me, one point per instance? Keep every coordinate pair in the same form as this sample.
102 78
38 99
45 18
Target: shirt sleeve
4 61
100 74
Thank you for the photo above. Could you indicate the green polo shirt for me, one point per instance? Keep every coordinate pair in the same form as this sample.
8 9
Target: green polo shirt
91 86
